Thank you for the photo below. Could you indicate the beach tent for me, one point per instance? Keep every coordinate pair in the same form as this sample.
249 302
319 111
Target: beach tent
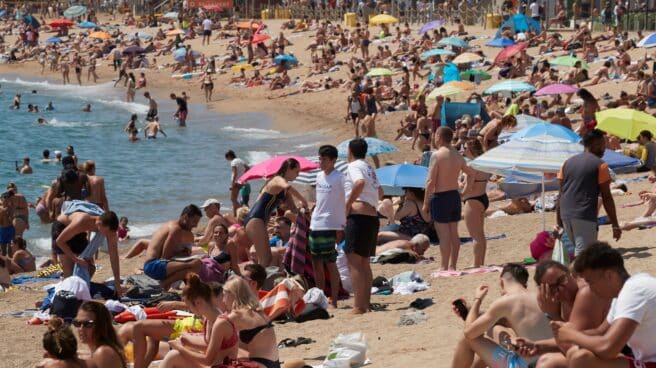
620 163
451 73
520 23
455 110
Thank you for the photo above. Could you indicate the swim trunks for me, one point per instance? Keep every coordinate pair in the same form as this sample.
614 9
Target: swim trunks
207 32
7 234
78 243
322 245
152 137
361 235
502 358
446 207
155 269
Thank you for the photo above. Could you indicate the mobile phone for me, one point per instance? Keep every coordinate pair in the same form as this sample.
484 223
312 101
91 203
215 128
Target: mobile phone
459 304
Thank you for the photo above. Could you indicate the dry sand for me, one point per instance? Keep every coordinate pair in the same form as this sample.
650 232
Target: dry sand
429 344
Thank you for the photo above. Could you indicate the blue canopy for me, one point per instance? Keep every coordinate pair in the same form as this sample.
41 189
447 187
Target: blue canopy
450 73
520 23
500 42
619 162
455 110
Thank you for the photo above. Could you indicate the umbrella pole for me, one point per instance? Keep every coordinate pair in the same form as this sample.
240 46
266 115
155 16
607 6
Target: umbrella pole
544 212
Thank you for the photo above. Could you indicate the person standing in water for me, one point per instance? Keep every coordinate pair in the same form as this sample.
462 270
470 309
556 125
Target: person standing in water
237 167
181 112
152 107
152 128
97 194
25 168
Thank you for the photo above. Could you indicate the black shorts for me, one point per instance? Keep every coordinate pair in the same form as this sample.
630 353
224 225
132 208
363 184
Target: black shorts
77 243
446 207
152 113
361 234
354 115
207 32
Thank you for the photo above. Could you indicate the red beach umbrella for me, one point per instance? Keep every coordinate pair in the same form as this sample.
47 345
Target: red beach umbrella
61 22
509 52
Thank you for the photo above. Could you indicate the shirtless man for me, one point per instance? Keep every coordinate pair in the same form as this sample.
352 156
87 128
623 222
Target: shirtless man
417 246
152 107
519 308
97 193
7 230
69 239
212 209
20 210
173 239
71 184
444 201
25 168
238 246
152 128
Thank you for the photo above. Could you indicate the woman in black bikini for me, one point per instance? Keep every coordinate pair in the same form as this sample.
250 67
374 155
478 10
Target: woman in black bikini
476 202
410 216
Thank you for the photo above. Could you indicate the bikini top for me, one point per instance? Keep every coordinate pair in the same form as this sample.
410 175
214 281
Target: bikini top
225 344
246 336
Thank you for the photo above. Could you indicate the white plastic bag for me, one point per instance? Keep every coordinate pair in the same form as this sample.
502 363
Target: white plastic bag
351 348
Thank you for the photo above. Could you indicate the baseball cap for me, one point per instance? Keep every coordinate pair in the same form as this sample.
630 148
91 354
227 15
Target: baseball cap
210 202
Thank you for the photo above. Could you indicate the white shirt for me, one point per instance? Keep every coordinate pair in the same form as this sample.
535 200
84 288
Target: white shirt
330 210
240 165
535 9
637 302
361 170
207 24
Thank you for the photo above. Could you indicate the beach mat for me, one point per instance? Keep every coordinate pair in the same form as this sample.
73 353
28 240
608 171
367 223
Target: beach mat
30 279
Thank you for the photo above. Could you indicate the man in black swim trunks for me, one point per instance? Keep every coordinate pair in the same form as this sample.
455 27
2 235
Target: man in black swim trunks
152 107
181 112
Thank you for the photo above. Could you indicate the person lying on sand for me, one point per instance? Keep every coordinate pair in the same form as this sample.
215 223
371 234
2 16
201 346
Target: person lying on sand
416 246
516 206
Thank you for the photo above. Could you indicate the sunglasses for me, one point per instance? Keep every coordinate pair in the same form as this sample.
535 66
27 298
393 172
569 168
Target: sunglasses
86 324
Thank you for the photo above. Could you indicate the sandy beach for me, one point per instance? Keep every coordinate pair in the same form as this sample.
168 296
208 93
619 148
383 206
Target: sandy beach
427 344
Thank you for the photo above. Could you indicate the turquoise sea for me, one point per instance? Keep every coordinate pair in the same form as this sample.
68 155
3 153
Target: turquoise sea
149 181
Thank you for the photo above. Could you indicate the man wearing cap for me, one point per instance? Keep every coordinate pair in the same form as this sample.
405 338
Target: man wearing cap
212 209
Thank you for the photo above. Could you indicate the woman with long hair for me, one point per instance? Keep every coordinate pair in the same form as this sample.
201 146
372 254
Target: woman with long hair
476 202
588 110
411 218
132 87
60 347
94 327
219 342
275 191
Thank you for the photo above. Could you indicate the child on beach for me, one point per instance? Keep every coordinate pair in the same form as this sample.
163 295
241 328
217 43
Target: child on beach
123 229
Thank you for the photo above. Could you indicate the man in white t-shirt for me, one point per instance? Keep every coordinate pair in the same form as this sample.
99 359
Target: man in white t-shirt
238 167
207 30
535 10
328 221
631 320
361 232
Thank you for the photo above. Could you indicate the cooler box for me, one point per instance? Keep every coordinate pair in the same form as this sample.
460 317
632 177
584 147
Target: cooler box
350 19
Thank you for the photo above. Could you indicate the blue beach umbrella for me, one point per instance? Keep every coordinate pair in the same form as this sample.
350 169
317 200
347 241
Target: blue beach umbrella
86 25
179 54
648 41
434 24
75 11
454 42
288 59
510 86
28 19
546 132
500 42
402 176
53 40
375 146
435 52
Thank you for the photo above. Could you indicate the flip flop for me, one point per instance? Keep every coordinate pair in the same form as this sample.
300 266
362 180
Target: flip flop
378 307
290 343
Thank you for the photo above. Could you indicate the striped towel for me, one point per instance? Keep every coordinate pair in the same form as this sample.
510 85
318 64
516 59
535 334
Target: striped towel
297 259
285 297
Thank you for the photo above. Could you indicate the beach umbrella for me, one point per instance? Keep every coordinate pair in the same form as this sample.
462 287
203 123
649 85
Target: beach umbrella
463 85
310 177
171 15
402 176
285 59
268 168
454 42
259 38
134 50
179 54
483 75
86 25
379 72
383 19
239 67
556 89
436 52
100 35
3 12
61 22
375 146
501 42
445 90
28 19
75 11
175 32
215 8
524 119
625 123
568 60
648 41
509 52
53 40
510 86
467 57
434 24
546 132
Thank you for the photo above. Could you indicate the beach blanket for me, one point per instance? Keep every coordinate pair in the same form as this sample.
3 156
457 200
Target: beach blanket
285 297
30 279
452 273
297 259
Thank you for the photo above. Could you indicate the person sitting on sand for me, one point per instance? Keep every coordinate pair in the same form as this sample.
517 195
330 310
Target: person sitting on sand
416 246
22 258
212 208
94 327
521 312
412 219
173 239
60 347
600 75
280 82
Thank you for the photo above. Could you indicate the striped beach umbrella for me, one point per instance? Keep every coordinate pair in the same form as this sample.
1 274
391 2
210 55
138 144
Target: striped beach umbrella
310 177
436 52
375 146
510 86
454 42
75 11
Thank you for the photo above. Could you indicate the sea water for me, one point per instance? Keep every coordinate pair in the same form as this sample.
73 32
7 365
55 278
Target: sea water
149 181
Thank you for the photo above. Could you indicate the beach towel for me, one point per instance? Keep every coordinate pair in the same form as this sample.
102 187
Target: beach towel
285 297
451 273
210 270
297 259
30 279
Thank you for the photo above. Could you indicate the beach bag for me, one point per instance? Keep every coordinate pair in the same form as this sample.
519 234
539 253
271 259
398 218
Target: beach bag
347 351
559 253
65 305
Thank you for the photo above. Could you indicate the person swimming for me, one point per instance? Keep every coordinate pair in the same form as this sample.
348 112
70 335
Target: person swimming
50 107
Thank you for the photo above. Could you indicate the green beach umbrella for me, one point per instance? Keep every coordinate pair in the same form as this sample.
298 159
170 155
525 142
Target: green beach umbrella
379 72
568 60
481 73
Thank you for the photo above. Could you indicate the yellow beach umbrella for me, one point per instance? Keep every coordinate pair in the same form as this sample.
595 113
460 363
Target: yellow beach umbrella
625 123
239 67
383 19
444 91
463 85
174 32
100 35
467 57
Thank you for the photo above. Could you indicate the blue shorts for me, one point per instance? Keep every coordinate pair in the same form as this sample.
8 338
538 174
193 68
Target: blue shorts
503 358
445 207
155 269
7 234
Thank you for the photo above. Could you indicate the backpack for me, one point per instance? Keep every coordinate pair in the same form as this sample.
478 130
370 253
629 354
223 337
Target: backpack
65 305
